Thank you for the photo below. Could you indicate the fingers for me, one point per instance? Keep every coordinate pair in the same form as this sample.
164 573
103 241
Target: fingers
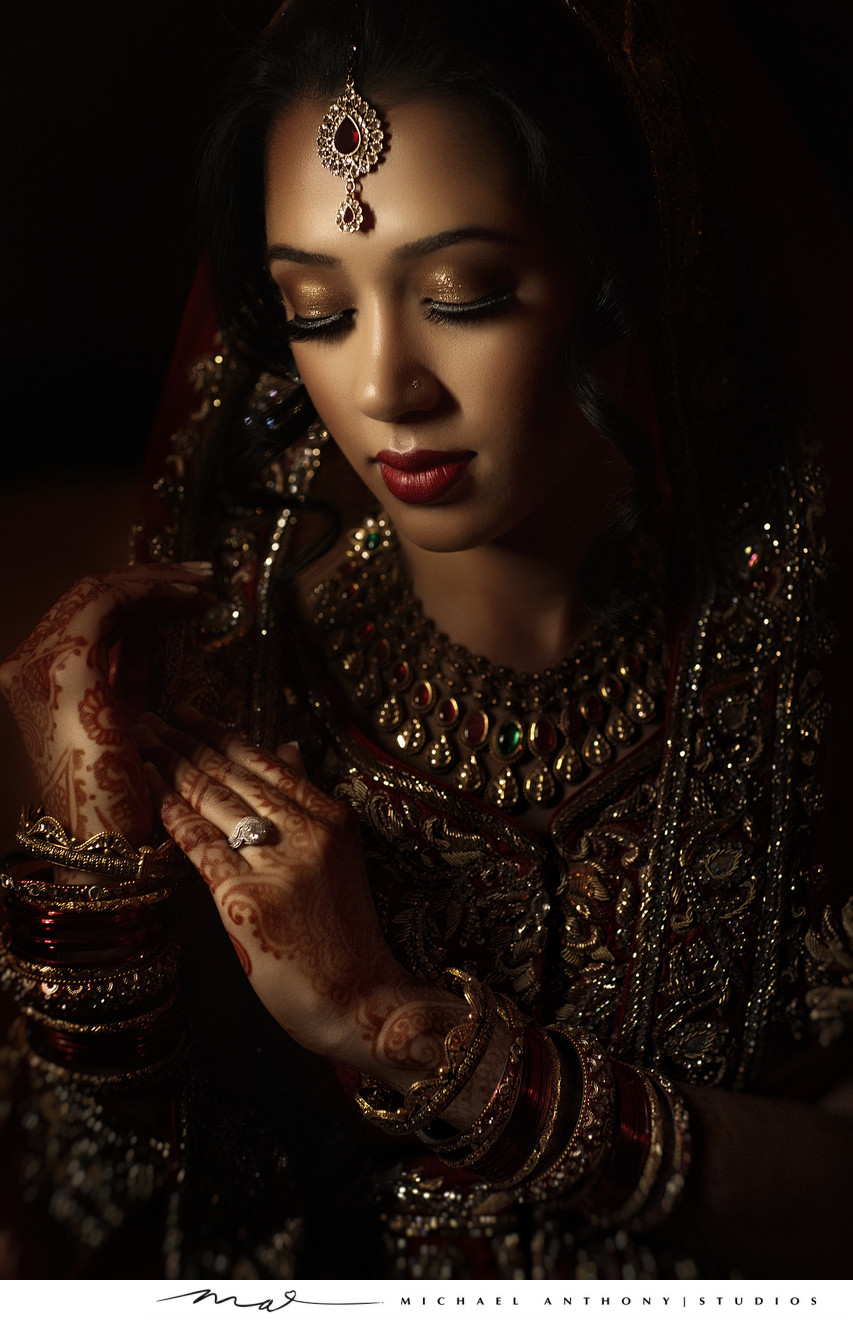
220 793
202 797
94 613
285 774
202 841
289 753
224 778
132 598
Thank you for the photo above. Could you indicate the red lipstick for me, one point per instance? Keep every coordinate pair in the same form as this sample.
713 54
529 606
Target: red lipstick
419 477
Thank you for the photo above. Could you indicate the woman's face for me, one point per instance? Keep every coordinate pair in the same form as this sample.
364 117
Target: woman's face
432 341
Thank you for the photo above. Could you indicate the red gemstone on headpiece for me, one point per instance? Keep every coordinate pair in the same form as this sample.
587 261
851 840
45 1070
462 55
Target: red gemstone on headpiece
347 137
348 216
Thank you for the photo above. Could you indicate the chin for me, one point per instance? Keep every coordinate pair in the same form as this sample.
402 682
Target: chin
447 529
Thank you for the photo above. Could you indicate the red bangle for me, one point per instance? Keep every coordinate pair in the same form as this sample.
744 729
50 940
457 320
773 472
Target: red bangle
106 1052
78 939
631 1144
510 1153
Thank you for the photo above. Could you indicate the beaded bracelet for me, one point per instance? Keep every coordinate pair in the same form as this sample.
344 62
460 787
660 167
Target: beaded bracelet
108 852
464 1047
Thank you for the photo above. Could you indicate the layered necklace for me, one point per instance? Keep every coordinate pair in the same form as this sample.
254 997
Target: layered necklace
516 739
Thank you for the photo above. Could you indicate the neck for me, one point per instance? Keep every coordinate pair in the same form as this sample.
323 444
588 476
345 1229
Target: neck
514 608
517 600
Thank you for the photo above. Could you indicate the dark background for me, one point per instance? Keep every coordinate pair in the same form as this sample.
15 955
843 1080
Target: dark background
105 105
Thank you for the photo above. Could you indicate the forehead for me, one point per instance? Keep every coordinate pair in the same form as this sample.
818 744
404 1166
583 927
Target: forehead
443 168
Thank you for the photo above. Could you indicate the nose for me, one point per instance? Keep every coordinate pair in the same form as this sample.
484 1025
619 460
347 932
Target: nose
393 377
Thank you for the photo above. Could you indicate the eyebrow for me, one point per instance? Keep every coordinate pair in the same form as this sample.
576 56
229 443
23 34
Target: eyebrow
419 248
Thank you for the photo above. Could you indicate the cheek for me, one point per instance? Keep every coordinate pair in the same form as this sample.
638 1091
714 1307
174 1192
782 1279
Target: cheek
522 381
324 382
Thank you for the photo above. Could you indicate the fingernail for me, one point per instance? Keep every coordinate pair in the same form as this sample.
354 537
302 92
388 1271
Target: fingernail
188 589
197 566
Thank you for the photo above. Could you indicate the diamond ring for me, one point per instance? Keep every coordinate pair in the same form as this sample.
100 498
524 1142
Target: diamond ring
249 830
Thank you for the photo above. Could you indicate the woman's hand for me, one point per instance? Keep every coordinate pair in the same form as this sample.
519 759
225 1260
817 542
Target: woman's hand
298 907
76 729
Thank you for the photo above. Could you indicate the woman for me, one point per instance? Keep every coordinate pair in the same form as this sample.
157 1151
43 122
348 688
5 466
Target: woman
564 672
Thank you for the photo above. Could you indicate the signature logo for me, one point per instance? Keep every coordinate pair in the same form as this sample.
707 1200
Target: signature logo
263 1305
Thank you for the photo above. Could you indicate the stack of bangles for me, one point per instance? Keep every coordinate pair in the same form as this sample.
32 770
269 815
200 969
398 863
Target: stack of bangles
620 1156
90 961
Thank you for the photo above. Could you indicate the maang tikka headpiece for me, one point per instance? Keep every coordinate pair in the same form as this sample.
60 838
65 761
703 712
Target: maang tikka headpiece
349 144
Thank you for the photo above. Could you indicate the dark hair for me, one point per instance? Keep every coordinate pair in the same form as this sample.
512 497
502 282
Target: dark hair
532 73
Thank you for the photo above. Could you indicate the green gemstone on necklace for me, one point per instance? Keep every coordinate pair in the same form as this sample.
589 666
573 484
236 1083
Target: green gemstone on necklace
508 738
372 540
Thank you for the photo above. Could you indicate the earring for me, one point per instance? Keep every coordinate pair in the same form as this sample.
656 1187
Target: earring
349 143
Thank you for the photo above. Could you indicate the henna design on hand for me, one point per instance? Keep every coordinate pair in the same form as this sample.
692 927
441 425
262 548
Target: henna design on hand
299 908
57 683
99 717
242 954
412 1036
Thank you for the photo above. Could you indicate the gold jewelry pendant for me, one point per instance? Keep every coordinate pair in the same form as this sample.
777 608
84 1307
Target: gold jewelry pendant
349 144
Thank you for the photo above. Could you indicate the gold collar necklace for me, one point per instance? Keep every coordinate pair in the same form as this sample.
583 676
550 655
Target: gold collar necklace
513 738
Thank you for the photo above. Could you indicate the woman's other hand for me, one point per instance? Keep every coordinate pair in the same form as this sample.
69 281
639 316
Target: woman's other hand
297 907
75 726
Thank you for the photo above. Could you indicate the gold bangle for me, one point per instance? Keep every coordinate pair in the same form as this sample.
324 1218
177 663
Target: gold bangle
579 1161
661 1205
464 1047
682 1147
87 991
467 1147
108 852
84 1029
95 898
54 1074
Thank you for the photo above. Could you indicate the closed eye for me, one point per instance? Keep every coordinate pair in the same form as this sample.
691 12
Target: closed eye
491 305
301 328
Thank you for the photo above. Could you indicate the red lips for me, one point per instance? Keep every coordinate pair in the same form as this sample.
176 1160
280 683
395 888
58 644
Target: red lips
419 477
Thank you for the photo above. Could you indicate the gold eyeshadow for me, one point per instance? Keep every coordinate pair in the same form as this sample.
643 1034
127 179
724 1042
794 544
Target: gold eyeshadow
311 300
450 286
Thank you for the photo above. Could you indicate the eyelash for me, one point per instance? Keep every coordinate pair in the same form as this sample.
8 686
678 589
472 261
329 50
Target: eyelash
441 314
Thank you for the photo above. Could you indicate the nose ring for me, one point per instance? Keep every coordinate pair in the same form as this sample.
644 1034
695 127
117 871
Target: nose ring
416 385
